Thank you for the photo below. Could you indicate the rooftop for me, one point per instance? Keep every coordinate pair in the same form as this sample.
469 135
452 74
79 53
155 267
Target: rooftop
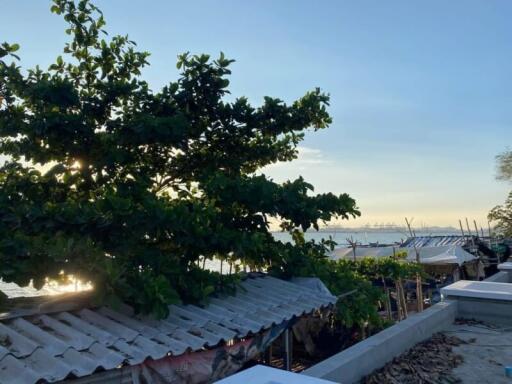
435 241
467 351
435 346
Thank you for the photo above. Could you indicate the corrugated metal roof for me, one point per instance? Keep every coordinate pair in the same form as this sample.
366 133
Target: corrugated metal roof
434 241
51 347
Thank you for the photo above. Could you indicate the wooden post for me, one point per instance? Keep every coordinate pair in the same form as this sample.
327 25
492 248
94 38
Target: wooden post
288 348
388 305
268 355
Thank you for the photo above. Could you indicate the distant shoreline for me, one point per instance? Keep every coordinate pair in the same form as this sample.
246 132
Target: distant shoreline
433 230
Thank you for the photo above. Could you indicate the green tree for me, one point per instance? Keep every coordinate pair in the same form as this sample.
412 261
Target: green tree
501 215
504 165
129 187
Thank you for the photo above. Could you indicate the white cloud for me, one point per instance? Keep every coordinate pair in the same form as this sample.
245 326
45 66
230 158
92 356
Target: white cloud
308 158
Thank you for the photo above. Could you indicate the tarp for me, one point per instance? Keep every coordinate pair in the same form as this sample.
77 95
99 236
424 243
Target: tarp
451 254
206 366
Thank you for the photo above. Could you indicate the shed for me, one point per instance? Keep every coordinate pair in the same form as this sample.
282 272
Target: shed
68 342
488 250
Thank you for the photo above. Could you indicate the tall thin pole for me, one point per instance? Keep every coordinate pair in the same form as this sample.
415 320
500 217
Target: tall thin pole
419 291
476 228
461 229
469 230
467 225
490 235
287 350
409 226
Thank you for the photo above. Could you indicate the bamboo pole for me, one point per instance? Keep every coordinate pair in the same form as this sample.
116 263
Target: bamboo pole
399 307
419 287
387 301
490 234
469 231
409 226
402 294
461 229
419 293
467 226
388 305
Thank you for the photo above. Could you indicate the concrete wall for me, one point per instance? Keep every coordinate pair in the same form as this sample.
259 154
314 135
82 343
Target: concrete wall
500 277
491 311
350 365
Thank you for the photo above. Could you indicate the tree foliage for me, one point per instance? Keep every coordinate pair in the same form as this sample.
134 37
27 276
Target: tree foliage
501 215
359 308
129 187
504 165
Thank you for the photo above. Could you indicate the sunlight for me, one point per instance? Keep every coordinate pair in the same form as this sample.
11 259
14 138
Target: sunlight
68 283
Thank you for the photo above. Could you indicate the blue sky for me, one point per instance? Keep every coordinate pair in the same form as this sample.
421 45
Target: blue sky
421 92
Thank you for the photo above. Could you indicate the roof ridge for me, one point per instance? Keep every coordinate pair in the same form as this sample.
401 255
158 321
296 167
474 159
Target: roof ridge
39 305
